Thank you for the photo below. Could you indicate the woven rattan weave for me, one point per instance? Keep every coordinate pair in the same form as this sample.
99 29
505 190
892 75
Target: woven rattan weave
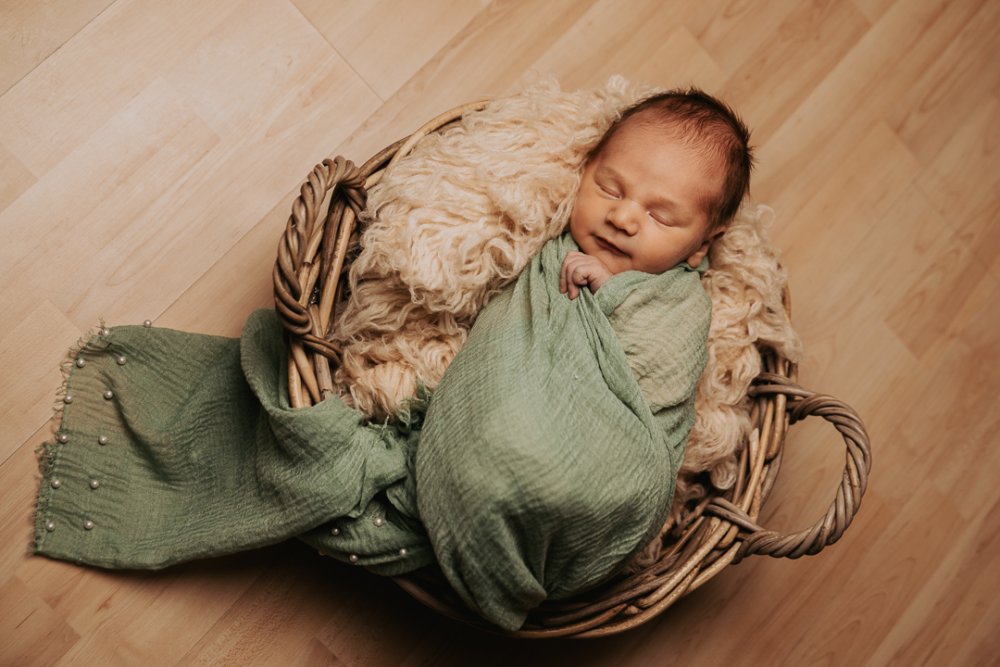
310 281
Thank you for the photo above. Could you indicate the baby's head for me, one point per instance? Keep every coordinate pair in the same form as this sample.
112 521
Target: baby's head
662 183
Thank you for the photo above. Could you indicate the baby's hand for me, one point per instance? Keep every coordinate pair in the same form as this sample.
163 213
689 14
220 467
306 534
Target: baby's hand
579 270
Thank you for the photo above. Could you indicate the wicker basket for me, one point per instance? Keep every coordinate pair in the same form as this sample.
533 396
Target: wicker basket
310 281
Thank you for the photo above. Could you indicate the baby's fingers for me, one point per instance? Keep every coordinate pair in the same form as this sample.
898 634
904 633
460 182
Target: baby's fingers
576 271
565 272
573 290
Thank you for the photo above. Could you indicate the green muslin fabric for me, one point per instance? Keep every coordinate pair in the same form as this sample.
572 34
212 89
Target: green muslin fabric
544 459
203 456
541 444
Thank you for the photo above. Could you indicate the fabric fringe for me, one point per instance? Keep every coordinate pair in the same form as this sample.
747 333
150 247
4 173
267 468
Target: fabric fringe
46 453
93 341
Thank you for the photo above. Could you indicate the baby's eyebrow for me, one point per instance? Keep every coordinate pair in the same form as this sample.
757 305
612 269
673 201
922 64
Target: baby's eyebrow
604 170
666 204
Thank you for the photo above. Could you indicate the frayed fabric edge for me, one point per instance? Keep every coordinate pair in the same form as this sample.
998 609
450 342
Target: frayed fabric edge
94 341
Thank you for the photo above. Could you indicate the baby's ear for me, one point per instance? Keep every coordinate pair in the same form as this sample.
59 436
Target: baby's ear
695 259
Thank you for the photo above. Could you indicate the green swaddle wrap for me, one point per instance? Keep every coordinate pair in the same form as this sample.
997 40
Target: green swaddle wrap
197 454
546 456
540 442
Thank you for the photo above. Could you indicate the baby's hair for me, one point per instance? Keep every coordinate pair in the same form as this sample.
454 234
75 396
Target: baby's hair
708 124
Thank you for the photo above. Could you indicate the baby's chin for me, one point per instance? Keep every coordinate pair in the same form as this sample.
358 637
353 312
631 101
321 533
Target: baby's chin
617 264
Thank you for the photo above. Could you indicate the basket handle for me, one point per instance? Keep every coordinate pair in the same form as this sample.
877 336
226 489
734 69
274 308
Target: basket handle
801 404
300 250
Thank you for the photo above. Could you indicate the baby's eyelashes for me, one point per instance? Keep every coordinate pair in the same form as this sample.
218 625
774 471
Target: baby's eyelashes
610 191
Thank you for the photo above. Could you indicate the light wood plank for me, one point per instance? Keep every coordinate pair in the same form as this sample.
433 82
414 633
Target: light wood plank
19 478
732 30
648 44
962 78
114 181
855 197
404 35
50 335
31 30
467 68
769 83
242 274
42 635
956 409
141 38
874 9
962 180
865 83
859 610
14 178
260 69
965 597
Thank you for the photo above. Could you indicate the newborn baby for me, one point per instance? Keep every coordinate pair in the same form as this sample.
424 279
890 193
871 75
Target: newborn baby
658 188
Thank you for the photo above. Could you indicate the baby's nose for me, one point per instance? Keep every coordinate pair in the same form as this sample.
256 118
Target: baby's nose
625 216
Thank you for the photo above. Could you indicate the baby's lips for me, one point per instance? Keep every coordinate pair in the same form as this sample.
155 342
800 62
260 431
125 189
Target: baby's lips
609 245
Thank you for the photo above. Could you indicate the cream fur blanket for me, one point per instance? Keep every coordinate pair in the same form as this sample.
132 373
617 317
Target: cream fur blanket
462 215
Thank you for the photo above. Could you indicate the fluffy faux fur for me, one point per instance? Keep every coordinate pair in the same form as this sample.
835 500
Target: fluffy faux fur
456 220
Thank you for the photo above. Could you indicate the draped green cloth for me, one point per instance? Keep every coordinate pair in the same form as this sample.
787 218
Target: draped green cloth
545 458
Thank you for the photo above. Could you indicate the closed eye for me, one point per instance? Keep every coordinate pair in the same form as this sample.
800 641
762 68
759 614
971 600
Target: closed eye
610 191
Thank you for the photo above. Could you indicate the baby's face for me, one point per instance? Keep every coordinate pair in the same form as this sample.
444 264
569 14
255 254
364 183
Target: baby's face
643 202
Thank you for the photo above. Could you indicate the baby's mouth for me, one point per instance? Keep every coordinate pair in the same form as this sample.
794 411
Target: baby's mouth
609 246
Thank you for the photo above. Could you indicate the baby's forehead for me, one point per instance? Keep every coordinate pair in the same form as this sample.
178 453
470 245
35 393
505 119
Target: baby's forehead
648 127
635 139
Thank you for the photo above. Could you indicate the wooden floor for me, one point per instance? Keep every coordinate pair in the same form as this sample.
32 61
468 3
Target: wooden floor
149 152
